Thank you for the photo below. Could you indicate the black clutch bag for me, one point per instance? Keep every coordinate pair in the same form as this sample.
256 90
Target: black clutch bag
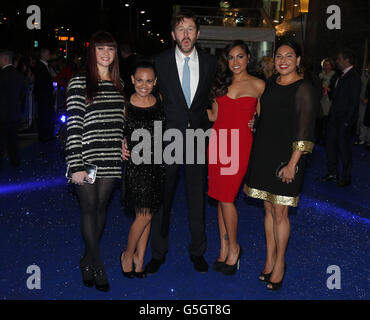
282 165
91 170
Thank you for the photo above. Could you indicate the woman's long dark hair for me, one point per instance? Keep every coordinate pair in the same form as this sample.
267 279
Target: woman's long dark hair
224 75
92 74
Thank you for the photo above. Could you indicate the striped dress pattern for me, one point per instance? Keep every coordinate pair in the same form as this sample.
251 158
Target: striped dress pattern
94 131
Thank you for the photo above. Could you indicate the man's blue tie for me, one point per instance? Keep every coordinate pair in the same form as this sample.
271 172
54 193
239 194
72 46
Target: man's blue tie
186 82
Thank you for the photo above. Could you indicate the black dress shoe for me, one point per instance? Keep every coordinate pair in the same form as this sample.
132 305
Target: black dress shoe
344 183
88 278
153 265
101 281
200 264
329 177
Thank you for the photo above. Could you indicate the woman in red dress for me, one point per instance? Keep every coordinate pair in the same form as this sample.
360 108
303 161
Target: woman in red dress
235 95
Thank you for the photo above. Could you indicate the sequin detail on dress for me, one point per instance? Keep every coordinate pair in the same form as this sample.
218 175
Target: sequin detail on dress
142 184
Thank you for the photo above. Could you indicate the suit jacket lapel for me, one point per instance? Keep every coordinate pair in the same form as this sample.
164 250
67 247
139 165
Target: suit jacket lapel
341 80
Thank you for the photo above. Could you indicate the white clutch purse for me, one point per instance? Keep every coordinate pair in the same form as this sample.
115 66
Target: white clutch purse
91 170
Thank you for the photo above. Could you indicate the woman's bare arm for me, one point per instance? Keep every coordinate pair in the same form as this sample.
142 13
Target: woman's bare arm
212 113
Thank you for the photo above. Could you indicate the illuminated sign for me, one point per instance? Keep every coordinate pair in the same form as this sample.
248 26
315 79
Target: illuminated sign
64 38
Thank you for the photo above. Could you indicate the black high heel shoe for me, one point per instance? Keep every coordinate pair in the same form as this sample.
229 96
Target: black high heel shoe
130 274
276 285
141 274
101 281
266 276
229 270
88 278
218 265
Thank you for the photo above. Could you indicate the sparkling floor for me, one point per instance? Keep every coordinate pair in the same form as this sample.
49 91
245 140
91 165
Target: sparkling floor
39 221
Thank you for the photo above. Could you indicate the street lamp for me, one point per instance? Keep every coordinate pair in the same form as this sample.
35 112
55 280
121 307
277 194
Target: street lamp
138 20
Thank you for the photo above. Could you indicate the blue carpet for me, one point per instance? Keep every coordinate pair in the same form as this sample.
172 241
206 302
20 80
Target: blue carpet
39 219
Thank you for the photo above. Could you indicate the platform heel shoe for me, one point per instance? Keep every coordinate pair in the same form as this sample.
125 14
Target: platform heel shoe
129 274
218 265
101 280
265 276
140 274
275 286
88 278
229 270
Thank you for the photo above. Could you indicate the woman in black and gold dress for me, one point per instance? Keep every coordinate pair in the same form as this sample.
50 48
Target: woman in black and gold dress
285 133
142 183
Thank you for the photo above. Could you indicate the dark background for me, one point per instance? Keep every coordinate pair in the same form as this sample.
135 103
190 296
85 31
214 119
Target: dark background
83 18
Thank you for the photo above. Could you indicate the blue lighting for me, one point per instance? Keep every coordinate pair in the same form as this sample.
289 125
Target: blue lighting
330 209
63 118
31 186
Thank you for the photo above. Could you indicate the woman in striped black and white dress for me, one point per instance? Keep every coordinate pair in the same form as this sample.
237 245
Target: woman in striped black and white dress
95 106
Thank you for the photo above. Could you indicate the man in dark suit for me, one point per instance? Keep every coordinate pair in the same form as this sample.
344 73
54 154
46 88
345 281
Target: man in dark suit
12 90
345 95
185 76
127 64
43 90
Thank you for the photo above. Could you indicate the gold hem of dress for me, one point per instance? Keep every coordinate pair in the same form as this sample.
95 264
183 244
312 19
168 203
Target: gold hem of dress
270 197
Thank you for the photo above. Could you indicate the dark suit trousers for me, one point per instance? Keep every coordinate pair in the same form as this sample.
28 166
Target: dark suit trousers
46 116
195 181
338 142
9 143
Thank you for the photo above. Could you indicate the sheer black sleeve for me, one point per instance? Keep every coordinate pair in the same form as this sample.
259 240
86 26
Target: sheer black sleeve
306 108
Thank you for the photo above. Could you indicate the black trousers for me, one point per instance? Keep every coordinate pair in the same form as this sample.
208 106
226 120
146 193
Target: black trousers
195 181
9 143
338 145
46 116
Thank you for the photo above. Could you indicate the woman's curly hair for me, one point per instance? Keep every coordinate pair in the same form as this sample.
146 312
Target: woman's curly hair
224 75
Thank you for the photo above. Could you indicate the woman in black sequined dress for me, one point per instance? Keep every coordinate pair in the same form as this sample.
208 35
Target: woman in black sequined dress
142 183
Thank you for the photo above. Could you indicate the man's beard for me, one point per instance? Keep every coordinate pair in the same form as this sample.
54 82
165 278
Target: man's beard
192 45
